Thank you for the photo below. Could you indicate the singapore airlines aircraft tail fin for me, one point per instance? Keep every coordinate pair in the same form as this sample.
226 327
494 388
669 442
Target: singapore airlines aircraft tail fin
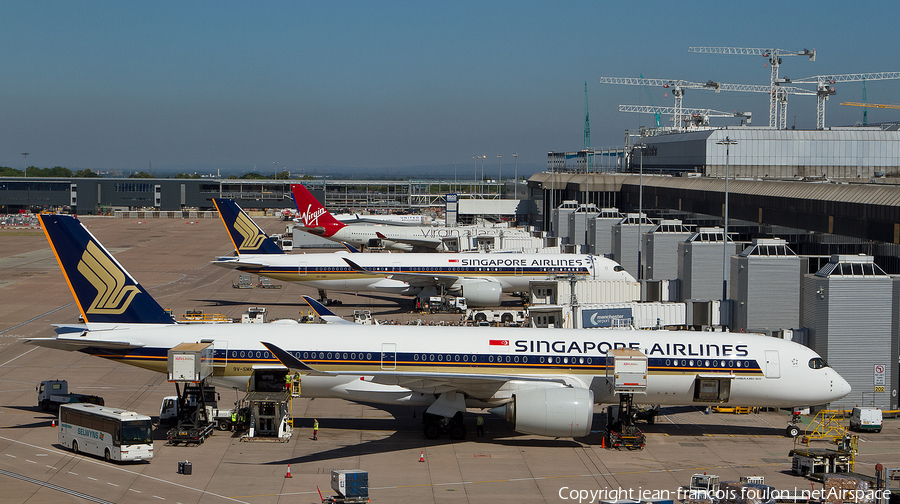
247 237
103 290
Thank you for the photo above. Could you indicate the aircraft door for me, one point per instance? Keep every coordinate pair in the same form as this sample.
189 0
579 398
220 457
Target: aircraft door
301 269
773 367
220 352
388 356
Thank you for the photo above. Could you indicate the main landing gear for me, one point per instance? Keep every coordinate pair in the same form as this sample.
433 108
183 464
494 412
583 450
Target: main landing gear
436 425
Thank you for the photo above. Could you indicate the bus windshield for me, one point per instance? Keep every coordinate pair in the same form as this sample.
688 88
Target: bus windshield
137 432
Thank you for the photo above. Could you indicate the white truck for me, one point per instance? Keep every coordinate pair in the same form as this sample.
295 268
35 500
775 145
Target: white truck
168 414
497 317
52 393
866 419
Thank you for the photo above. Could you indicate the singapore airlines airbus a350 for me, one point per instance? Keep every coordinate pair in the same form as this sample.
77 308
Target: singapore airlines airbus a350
549 379
480 278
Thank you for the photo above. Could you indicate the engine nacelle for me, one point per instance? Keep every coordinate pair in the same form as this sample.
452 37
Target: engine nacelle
557 412
479 291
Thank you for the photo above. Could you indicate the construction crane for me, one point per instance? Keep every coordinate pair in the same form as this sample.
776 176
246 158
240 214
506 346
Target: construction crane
678 88
587 130
873 105
698 117
825 87
777 99
587 121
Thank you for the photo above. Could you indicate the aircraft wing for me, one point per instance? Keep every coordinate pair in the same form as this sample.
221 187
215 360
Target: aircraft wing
414 279
237 263
474 384
80 343
422 243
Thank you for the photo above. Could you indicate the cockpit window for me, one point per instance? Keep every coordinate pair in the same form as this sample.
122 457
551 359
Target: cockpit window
817 363
618 268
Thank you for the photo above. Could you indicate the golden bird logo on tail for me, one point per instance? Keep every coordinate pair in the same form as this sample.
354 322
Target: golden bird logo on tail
113 296
251 234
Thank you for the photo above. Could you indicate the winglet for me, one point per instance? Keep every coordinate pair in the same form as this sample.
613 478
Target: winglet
350 248
246 236
290 361
104 291
324 313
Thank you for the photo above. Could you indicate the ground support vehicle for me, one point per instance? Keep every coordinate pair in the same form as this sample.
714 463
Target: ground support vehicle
866 419
192 424
221 418
352 487
496 317
53 393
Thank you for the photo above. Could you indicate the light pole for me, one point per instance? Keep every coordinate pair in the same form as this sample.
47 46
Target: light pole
728 142
500 176
475 176
516 155
640 210
26 163
480 185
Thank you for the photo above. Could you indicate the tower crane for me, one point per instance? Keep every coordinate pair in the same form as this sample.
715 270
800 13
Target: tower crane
825 87
873 105
699 117
678 88
777 99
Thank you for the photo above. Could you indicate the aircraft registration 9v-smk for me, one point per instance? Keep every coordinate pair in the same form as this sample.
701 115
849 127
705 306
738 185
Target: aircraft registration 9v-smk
546 381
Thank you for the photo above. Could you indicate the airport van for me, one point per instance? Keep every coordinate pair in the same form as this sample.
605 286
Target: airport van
866 419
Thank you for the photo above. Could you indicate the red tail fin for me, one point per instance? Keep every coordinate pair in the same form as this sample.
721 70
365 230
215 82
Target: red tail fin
312 212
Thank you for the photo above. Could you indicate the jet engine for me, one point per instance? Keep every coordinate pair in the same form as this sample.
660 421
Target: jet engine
557 412
479 291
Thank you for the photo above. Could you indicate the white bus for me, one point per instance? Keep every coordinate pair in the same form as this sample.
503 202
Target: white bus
113 433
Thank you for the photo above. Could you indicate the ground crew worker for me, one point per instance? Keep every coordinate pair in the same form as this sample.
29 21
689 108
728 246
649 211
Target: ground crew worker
233 419
287 382
479 426
315 429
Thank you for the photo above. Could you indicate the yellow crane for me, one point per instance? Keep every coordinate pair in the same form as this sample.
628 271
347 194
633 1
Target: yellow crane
873 105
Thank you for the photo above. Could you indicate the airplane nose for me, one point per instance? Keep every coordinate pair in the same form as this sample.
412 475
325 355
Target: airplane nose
840 386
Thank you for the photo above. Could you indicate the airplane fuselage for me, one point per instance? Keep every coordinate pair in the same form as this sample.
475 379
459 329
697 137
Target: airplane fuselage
513 272
381 365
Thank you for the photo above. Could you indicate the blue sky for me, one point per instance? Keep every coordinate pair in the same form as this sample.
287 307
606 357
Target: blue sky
205 84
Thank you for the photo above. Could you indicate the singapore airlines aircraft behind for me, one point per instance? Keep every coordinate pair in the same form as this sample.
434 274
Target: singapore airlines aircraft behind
319 221
480 278
546 380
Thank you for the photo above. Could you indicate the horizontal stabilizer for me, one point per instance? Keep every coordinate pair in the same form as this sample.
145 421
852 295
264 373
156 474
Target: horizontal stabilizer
324 313
290 361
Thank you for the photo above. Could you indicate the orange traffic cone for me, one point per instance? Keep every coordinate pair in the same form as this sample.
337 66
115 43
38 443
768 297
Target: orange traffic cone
604 441
53 423
288 475
422 457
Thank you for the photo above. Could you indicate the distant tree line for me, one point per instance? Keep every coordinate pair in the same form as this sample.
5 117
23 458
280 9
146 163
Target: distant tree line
61 172
56 171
